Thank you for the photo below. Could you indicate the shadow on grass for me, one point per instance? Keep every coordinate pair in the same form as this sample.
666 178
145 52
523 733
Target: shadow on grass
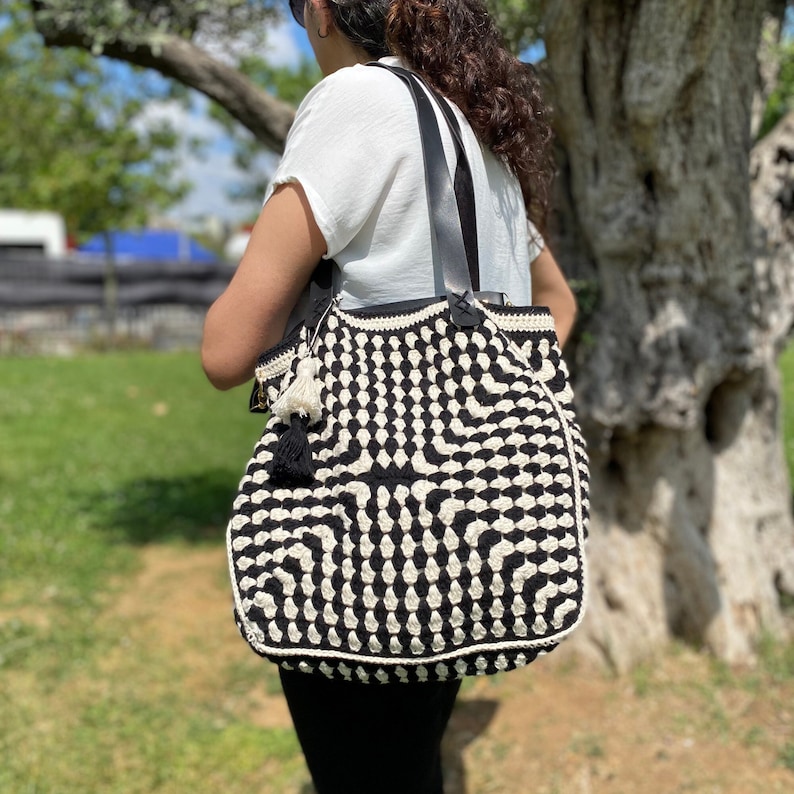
194 508
469 720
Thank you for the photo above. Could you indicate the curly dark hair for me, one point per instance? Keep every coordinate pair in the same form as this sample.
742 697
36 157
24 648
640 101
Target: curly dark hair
456 47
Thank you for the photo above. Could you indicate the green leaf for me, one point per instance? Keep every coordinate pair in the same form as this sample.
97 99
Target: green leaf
70 139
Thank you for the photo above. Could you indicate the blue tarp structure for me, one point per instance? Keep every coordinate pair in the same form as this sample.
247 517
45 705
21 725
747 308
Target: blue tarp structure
150 244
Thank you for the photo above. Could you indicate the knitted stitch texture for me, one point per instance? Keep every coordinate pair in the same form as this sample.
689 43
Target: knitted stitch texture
443 535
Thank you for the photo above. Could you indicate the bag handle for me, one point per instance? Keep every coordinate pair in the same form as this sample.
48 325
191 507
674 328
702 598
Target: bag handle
445 224
455 243
464 183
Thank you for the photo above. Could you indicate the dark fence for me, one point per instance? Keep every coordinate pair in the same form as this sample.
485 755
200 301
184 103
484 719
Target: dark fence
57 306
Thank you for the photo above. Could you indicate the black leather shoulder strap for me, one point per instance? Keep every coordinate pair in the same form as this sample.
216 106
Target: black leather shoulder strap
445 223
464 185
453 221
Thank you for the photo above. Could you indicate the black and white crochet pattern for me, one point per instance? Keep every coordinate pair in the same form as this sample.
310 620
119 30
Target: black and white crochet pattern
443 535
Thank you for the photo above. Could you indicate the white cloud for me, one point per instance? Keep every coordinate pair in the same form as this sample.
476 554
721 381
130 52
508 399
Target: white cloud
279 44
282 47
211 169
192 121
212 177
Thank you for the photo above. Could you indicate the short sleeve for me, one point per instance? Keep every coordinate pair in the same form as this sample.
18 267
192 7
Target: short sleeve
335 149
535 241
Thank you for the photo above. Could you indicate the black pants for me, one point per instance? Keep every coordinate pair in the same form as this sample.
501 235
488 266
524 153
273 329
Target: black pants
370 738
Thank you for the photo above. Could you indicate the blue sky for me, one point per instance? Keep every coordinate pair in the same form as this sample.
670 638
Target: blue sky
213 172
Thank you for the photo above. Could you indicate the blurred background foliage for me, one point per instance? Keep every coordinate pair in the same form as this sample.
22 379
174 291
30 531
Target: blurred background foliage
77 138
72 140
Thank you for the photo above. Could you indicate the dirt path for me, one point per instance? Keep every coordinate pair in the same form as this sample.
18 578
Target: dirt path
683 724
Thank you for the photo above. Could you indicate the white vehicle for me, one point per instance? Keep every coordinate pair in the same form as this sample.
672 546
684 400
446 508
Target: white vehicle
235 246
23 231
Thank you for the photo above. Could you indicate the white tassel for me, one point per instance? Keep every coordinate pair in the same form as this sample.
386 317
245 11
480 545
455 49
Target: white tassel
302 397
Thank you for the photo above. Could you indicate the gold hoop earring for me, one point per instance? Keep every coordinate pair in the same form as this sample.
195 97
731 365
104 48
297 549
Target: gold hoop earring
320 35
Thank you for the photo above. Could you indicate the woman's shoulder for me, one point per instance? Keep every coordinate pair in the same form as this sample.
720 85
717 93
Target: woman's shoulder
362 88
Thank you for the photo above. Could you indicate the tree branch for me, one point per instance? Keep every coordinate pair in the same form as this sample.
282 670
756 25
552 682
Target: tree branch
266 117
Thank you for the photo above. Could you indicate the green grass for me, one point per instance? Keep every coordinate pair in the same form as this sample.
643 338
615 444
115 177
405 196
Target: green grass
100 453
99 456
787 756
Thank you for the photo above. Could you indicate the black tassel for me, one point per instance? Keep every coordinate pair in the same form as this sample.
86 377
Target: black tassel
292 460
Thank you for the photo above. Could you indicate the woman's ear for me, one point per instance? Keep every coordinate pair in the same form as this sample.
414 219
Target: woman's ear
321 17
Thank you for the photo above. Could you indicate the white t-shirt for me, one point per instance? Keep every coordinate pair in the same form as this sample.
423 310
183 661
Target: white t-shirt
355 149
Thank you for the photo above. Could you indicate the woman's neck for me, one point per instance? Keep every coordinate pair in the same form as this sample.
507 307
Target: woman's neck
339 53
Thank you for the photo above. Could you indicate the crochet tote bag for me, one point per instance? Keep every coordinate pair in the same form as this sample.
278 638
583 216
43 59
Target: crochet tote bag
416 507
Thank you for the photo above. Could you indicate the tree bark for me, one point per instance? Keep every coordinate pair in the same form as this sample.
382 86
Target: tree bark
267 118
676 374
768 67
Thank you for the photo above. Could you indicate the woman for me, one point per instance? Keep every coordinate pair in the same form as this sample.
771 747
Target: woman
351 187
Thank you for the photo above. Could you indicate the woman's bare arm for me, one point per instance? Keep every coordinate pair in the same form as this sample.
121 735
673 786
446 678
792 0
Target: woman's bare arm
252 313
549 288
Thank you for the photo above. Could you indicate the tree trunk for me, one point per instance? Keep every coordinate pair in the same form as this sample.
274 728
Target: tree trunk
676 377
